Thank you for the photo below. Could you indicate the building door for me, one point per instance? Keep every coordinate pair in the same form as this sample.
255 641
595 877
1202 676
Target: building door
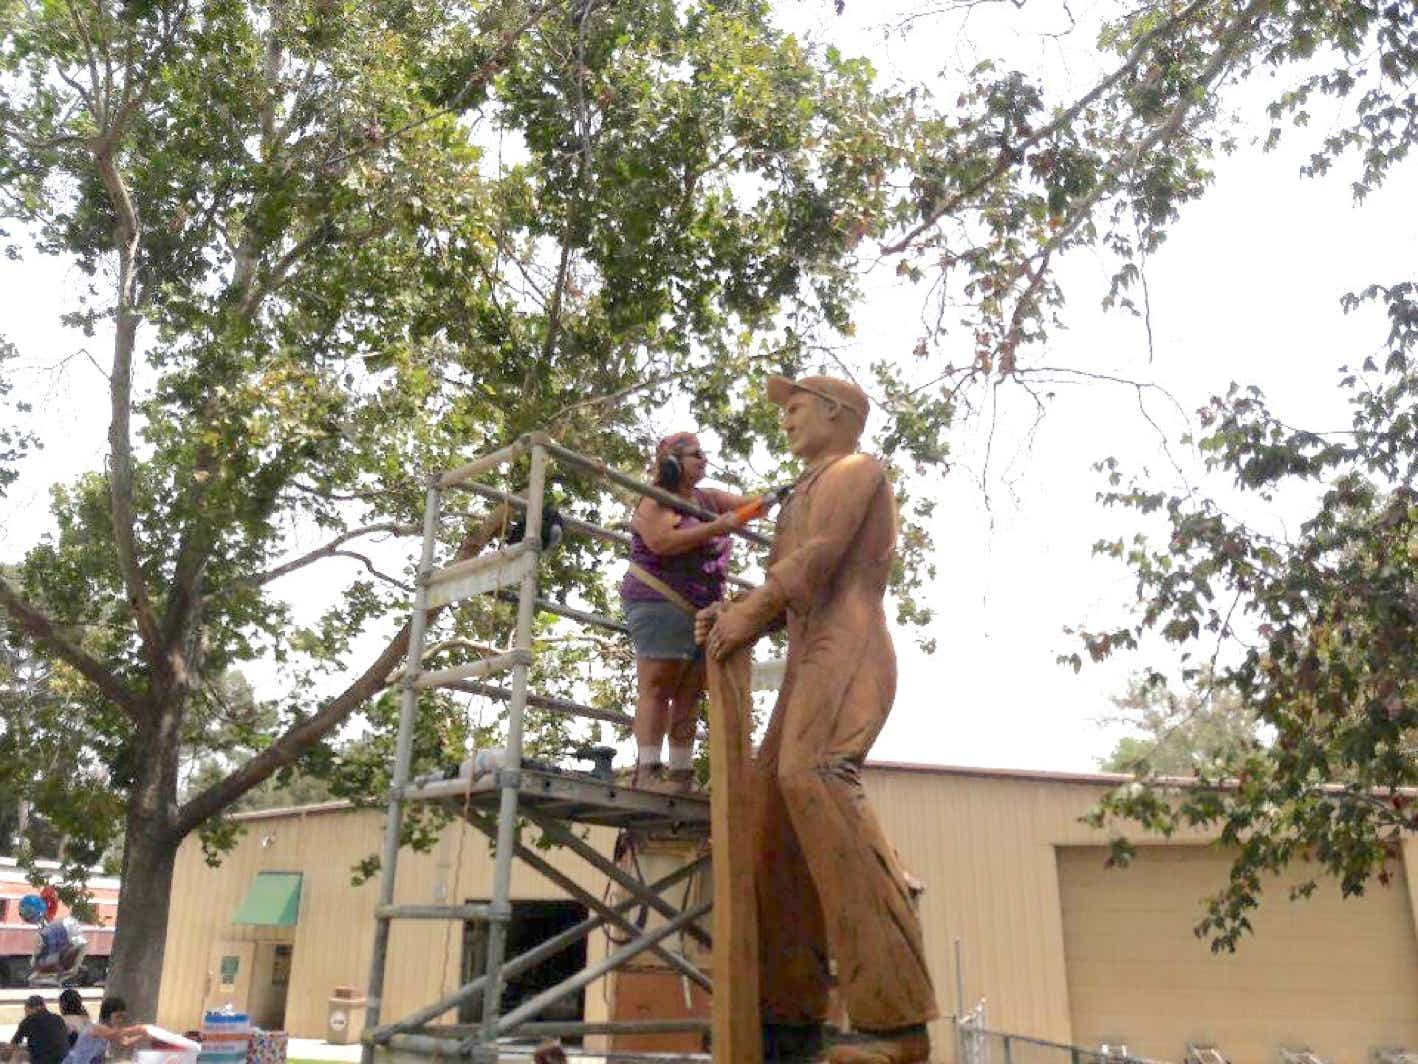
270 984
1335 975
533 922
229 975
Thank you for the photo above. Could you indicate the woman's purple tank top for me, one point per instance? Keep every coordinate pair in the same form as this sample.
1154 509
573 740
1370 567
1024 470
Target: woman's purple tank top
698 574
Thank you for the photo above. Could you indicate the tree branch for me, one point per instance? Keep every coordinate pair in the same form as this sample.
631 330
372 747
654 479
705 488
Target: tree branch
191 555
328 550
479 77
370 566
1216 66
1009 157
304 734
43 630
120 478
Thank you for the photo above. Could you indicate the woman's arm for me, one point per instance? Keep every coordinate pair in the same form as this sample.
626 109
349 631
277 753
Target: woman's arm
725 501
656 524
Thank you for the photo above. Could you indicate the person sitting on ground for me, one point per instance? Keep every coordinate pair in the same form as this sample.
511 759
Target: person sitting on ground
678 563
42 1031
73 1013
110 1029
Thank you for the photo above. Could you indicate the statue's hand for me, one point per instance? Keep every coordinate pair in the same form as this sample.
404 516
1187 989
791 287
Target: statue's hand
733 628
704 621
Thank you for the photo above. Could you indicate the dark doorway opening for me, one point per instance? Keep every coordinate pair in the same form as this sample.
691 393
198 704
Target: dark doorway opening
533 922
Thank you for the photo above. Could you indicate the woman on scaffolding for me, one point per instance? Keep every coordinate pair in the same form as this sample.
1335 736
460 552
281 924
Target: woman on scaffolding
678 563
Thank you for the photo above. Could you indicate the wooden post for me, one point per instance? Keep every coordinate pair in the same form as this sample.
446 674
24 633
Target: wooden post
735 1022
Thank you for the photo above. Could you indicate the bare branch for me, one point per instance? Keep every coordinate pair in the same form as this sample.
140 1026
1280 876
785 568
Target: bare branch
328 550
610 398
370 566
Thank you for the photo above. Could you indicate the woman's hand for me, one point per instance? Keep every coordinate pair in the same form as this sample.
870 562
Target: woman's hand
726 523
704 621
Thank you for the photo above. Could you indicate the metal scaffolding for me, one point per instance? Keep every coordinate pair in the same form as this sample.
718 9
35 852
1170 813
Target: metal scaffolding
547 799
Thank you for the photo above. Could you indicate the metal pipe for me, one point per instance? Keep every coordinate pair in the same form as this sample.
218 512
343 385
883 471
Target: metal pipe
596 620
680 964
960 1037
455 1048
669 498
403 747
553 1029
514 659
591 973
553 705
510 453
507 808
573 524
431 912
564 1028
523 961
589 854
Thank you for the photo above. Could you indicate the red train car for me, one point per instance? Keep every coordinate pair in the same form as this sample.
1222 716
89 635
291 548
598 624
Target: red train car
17 938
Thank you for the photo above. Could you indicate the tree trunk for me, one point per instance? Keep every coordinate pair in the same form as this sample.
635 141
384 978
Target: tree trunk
135 969
149 860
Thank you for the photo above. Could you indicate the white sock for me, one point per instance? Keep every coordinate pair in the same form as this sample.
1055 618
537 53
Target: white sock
681 758
648 756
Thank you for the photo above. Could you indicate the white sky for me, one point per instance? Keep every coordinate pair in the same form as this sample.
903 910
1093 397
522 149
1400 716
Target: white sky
1247 288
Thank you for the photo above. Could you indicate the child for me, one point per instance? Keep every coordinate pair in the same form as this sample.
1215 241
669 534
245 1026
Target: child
73 1013
92 1044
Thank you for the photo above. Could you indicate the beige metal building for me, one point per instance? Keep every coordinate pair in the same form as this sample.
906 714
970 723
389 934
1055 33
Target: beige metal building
1058 946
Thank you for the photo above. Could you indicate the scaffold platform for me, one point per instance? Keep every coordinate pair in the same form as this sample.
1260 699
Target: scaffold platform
579 798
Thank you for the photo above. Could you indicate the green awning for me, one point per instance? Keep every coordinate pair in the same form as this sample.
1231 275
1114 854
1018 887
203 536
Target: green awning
274 900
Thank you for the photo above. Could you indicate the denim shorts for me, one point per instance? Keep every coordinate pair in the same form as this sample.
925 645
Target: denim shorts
661 631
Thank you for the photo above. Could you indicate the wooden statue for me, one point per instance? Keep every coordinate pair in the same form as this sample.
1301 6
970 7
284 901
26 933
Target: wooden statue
828 883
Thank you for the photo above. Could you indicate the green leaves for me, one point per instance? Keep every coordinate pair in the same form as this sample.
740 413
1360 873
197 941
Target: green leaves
1315 633
365 241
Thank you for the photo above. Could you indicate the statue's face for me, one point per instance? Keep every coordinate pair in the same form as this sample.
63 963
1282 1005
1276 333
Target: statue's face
809 429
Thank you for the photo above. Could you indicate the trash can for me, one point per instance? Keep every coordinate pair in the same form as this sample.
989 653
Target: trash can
344 1023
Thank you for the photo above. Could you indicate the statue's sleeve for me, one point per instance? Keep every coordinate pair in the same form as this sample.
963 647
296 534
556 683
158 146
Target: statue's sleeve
847 491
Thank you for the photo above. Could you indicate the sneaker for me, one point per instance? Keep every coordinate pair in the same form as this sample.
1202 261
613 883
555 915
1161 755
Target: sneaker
646 777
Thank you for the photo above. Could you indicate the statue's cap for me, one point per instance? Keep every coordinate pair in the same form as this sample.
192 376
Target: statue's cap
833 389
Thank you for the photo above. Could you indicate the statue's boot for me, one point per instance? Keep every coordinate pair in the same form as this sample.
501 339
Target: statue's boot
793 1043
906 1045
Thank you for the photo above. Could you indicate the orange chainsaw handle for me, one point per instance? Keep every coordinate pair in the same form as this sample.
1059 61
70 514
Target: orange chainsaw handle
751 510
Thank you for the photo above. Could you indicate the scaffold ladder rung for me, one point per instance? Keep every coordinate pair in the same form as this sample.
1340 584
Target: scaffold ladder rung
476 576
433 912
473 669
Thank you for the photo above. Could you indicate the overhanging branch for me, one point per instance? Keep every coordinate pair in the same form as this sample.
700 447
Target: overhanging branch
40 628
303 735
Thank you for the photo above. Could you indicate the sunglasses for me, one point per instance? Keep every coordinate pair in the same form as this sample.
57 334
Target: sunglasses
694 454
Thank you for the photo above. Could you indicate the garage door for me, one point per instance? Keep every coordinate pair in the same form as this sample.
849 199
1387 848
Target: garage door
1337 976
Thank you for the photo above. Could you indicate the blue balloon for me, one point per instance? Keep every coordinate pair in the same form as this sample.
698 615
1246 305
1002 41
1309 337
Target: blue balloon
32 908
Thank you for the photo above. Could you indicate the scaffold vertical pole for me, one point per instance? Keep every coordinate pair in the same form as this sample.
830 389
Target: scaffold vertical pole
509 777
408 706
